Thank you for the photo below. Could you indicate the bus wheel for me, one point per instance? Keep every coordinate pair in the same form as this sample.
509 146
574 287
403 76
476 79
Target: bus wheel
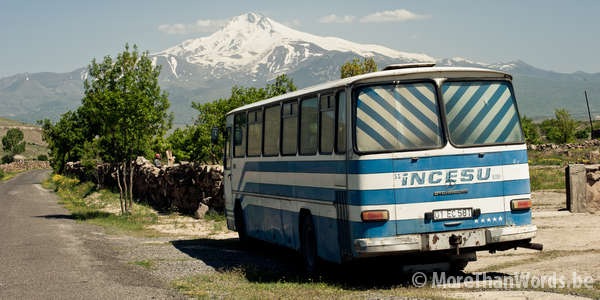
308 245
240 222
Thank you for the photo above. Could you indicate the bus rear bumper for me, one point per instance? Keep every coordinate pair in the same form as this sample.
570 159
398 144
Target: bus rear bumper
483 238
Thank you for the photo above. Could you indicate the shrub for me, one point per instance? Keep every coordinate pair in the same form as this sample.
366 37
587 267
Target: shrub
7 159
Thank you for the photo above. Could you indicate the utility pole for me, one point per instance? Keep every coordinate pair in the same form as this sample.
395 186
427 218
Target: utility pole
589 114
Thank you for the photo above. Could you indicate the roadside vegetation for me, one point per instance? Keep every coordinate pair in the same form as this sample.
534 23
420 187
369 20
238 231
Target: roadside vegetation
101 207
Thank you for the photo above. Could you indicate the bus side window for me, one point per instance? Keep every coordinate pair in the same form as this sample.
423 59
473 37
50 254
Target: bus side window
239 132
289 135
309 112
272 127
340 111
326 124
254 132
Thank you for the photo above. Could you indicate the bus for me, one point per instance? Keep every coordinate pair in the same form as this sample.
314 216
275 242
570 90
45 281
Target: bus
412 160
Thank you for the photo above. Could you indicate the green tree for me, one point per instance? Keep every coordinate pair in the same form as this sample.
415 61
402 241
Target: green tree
65 139
356 67
123 115
531 131
193 142
13 143
126 111
561 129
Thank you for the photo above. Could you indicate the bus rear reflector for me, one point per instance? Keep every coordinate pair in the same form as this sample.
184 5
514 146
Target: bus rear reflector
520 204
375 215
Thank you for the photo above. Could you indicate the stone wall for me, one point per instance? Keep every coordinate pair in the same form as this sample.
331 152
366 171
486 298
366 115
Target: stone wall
24 165
187 188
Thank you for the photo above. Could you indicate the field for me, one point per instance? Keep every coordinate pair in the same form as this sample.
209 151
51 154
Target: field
32 136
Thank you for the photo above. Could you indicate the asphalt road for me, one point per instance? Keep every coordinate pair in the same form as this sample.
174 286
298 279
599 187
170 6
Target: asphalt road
44 254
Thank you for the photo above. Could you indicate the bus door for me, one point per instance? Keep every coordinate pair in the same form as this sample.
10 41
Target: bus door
227 186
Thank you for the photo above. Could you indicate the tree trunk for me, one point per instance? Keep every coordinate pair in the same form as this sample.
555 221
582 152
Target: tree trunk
120 190
130 184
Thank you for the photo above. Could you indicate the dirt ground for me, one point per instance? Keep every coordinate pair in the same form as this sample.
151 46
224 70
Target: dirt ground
571 250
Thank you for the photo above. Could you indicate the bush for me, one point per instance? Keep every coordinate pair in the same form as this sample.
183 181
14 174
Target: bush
42 157
7 159
1 173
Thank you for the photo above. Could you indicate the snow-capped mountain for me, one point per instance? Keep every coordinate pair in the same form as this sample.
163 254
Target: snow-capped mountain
254 45
252 49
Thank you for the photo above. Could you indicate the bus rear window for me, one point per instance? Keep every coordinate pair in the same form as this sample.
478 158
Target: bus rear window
397 117
481 113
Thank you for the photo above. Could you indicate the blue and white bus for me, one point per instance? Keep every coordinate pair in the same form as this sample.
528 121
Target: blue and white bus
414 159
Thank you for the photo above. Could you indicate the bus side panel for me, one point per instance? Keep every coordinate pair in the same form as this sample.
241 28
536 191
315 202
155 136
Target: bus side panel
263 219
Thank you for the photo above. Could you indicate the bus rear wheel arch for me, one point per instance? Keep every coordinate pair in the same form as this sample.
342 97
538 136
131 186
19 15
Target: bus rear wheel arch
240 222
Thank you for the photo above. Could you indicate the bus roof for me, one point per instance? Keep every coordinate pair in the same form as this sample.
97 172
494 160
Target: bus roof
425 70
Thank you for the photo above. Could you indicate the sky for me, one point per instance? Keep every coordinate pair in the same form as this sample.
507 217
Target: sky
63 35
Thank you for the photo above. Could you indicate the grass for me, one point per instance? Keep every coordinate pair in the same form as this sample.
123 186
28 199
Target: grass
549 178
146 264
75 197
235 284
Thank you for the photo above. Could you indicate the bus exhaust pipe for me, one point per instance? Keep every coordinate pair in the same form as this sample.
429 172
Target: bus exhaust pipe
534 246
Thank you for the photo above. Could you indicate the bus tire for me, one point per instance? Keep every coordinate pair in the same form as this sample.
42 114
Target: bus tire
308 245
457 266
240 222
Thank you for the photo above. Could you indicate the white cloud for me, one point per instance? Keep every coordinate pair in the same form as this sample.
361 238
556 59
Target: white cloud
200 26
399 15
336 19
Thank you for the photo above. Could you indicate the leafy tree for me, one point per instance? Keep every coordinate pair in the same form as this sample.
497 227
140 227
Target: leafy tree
65 138
561 129
356 67
13 142
123 115
126 110
531 131
194 142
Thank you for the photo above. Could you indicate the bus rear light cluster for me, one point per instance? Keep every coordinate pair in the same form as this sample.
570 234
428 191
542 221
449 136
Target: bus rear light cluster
520 204
375 215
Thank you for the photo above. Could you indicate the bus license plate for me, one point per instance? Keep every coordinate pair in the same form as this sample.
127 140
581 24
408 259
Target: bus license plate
452 213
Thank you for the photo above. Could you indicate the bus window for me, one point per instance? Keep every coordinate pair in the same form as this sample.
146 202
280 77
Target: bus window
254 132
308 126
289 136
239 139
481 113
272 125
397 117
340 146
326 124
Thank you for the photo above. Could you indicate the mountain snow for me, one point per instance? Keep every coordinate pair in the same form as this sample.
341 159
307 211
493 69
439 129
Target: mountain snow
252 42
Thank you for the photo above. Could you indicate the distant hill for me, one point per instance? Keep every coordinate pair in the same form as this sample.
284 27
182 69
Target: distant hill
252 49
32 136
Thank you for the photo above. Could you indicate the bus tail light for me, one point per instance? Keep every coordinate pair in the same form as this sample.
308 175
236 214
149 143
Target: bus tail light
520 204
375 215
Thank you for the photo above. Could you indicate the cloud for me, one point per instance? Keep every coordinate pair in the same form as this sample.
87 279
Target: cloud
200 26
398 15
336 19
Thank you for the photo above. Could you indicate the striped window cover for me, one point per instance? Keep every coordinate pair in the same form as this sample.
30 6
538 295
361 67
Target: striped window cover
481 112
397 117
